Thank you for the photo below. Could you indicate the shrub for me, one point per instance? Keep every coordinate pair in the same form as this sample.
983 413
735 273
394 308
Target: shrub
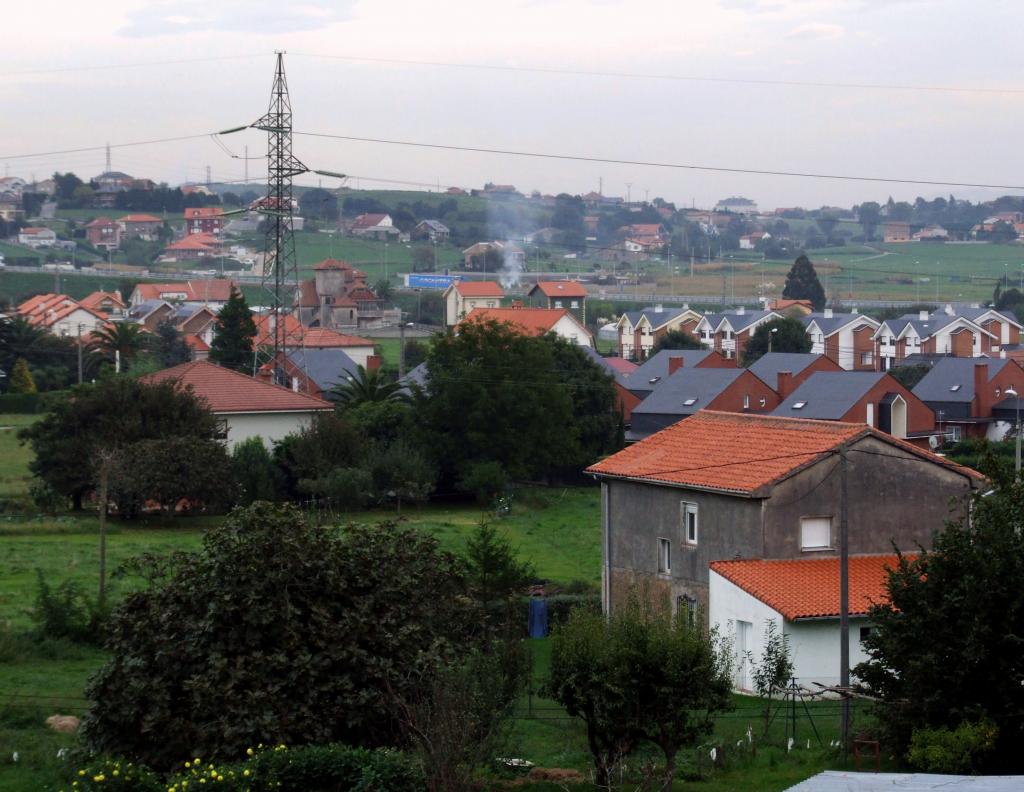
346 487
958 751
485 480
46 498
325 768
116 774
68 612
255 471
275 631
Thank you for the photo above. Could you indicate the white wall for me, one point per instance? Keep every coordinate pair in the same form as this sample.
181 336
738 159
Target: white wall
359 354
566 327
813 645
270 427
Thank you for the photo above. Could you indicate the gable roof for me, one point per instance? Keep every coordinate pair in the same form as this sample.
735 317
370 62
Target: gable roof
327 367
369 220
227 391
656 315
210 290
951 379
828 395
769 365
333 264
616 366
738 321
742 454
479 289
297 335
203 212
100 222
554 289
808 588
837 321
139 218
97 298
195 242
531 321
687 391
656 367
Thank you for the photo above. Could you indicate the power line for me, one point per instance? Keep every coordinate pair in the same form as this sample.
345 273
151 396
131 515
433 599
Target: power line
672 77
653 164
104 146
139 64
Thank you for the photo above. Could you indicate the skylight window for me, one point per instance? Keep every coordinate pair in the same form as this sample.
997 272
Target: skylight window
689 402
652 380
954 388
799 405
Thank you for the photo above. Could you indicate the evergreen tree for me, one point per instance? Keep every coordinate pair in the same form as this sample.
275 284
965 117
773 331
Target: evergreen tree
233 344
170 346
21 378
802 283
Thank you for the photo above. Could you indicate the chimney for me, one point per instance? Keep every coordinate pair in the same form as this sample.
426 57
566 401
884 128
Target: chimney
855 310
517 303
659 308
828 313
295 384
264 373
784 384
980 381
923 316
741 310
674 364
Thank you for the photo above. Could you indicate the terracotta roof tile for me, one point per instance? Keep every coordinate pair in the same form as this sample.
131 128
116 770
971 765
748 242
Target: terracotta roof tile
532 321
330 263
97 298
741 453
227 391
561 288
139 218
311 337
479 289
808 588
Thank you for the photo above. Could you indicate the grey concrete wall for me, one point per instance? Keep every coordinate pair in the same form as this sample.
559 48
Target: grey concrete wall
640 514
892 497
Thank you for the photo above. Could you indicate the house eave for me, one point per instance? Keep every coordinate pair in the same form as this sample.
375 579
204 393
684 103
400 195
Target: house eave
751 494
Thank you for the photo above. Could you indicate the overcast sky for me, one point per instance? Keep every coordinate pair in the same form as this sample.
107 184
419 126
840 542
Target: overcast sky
54 96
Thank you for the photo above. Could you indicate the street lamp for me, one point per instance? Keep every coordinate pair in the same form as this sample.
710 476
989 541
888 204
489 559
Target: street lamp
771 337
1011 391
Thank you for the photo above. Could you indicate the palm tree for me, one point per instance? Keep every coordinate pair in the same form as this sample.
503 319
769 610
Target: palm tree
18 338
119 342
368 386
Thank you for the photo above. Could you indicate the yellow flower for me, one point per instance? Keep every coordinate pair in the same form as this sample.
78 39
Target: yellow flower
249 751
81 772
99 779
202 780
220 778
116 772
188 764
245 773
196 760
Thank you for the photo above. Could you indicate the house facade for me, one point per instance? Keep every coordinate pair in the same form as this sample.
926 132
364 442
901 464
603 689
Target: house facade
929 334
640 331
462 297
140 226
727 486
37 237
432 230
102 232
846 338
536 322
337 297
204 220
729 333
571 295
60 315
968 396
374 226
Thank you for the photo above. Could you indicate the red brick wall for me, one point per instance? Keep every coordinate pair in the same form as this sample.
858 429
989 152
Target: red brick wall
920 418
961 343
862 344
832 347
985 396
731 399
717 360
625 401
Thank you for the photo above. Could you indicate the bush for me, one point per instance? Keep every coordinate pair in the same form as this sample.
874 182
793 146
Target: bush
116 774
255 471
346 487
46 498
325 768
963 750
275 631
485 480
29 403
68 612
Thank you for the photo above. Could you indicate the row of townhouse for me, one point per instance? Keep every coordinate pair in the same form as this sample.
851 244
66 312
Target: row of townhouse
461 297
854 341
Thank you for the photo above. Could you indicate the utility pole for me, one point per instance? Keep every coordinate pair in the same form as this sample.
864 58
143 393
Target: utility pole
80 353
401 349
844 598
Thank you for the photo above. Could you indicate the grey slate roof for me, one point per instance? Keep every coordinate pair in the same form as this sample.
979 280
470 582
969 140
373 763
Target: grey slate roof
656 367
828 395
602 361
741 320
326 367
829 324
417 376
768 366
952 379
654 316
701 385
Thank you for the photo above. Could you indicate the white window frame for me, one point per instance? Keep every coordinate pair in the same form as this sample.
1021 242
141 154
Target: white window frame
811 548
664 556
686 510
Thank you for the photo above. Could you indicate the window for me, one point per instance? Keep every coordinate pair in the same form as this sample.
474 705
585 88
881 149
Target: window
746 401
799 405
815 533
664 556
865 358
865 632
998 392
689 402
558 303
689 606
575 304
870 417
688 513
762 401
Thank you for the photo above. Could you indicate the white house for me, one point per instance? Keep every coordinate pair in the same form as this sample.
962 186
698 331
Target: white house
247 407
639 331
729 333
463 296
930 334
845 338
536 322
37 237
60 315
801 596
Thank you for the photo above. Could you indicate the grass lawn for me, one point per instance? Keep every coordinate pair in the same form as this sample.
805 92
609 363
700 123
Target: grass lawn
14 457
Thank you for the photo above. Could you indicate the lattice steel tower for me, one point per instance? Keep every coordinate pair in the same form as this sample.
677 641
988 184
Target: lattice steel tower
280 264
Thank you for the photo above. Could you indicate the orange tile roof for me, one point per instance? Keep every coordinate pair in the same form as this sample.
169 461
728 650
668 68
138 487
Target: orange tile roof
298 335
139 218
808 588
741 453
479 289
195 343
203 213
97 298
195 242
561 288
227 391
331 263
100 222
212 290
532 321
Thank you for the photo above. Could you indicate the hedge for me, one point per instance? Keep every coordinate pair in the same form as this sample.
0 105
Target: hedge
29 403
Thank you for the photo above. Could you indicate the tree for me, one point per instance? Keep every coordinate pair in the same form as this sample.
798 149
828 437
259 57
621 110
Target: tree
329 442
790 336
232 345
945 648
276 631
318 204
677 339
423 258
909 376
869 214
119 342
774 668
111 414
415 353
639 676
367 386
21 378
65 186
400 471
254 471
172 473
382 288
493 570
498 396
169 346
802 283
